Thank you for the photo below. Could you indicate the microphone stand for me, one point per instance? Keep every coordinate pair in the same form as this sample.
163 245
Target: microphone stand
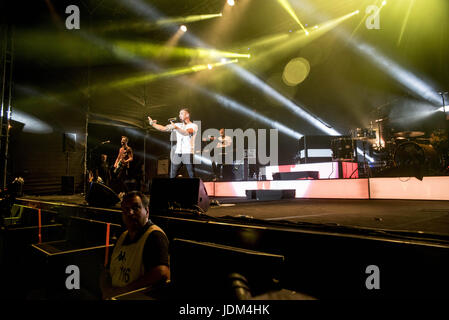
90 156
171 152
446 120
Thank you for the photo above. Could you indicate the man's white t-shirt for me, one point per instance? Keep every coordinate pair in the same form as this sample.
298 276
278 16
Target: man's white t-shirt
224 142
185 143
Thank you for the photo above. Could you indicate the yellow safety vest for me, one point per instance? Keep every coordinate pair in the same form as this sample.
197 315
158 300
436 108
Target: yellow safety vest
126 261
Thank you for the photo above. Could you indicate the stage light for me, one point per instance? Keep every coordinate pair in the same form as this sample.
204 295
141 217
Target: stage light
417 85
166 22
236 106
279 45
286 5
287 103
296 71
31 123
183 28
231 2
188 19
267 89
252 79
405 77
384 3
405 22
155 50
145 78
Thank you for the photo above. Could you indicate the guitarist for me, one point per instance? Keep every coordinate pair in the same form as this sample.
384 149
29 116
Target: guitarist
121 165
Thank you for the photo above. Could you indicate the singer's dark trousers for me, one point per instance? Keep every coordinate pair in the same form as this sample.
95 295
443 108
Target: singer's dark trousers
182 159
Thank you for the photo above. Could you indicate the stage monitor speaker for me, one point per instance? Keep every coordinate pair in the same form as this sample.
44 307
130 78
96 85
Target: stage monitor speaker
240 171
68 142
179 193
68 185
315 148
266 195
296 175
100 195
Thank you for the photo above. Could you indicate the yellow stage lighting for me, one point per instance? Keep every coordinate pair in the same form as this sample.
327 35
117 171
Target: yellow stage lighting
296 71
145 78
286 5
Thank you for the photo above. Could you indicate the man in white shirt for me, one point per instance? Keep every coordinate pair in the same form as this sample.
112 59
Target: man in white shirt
186 132
224 143
223 140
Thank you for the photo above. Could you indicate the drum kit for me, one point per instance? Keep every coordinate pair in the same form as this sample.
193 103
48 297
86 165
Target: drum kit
396 149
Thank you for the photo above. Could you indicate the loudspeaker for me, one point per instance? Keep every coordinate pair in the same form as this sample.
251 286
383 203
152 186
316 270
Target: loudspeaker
185 193
315 148
68 142
265 195
296 175
163 167
240 171
100 195
68 185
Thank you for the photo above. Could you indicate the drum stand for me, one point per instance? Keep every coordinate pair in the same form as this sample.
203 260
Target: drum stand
365 164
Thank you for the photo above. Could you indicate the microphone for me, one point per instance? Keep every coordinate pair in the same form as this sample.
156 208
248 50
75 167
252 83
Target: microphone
107 141
172 119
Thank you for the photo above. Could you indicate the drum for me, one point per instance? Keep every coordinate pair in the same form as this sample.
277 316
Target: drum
410 153
343 149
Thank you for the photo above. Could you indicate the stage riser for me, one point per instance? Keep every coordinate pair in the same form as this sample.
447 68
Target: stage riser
430 188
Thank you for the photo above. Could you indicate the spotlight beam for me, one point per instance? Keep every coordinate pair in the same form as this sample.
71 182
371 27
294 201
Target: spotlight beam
154 50
404 23
187 19
238 107
296 40
414 83
139 6
132 81
286 5
260 84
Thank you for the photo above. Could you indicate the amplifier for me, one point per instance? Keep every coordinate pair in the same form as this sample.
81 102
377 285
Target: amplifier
315 148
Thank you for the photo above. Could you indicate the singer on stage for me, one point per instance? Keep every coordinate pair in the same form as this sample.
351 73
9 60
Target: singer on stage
186 132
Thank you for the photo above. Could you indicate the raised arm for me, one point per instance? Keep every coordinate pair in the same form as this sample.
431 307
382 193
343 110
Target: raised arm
186 132
156 126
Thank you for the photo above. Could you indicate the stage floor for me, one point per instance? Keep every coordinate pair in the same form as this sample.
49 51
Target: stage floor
427 216
400 215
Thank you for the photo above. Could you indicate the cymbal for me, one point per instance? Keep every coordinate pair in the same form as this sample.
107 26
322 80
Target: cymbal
409 134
